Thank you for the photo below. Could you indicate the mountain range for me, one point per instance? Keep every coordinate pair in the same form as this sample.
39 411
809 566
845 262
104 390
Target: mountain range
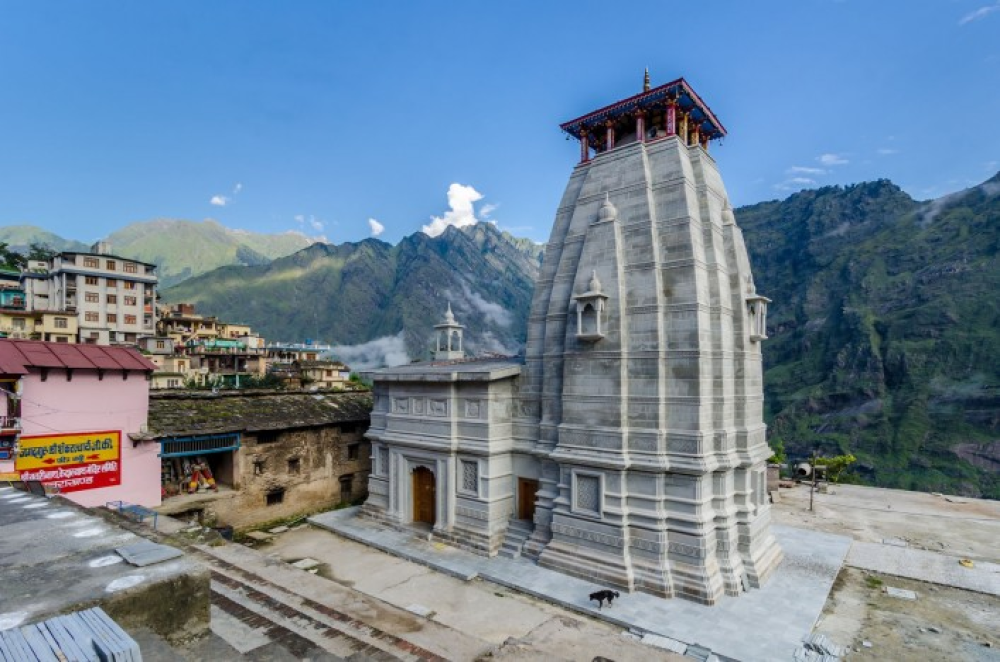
884 327
180 249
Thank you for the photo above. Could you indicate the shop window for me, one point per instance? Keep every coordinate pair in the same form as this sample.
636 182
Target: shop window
353 451
275 497
294 465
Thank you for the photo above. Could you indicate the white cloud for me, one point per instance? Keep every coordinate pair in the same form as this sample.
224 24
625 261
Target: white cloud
832 159
493 312
887 151
804 170
462 212
487 209
219 200
795 183
377 228
980 13
385 351
314 223
237 188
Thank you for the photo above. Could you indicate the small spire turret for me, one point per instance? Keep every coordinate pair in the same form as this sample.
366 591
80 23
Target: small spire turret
645 81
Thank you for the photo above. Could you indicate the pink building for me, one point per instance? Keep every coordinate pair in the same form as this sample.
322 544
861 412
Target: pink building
66 412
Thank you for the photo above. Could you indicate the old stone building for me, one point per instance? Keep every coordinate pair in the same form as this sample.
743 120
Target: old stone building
257 456
629 447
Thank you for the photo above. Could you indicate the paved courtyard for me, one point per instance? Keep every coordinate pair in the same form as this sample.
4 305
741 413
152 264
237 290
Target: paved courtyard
786 608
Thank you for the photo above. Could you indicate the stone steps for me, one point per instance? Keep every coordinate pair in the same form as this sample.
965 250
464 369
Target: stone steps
255 612
518 532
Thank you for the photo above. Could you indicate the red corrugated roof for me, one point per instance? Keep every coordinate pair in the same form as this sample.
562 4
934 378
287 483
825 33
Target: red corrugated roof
16 356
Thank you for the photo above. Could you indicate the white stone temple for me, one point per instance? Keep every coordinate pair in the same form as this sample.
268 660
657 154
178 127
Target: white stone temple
628 447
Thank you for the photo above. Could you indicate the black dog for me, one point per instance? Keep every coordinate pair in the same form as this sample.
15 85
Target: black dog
601 596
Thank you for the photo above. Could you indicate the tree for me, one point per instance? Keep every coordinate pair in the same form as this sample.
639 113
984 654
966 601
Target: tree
835 465
10 259
41 251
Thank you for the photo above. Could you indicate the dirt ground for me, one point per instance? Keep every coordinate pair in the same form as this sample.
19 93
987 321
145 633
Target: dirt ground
943 623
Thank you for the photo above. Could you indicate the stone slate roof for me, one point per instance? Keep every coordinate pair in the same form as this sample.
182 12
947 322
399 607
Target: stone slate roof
188 413
475 369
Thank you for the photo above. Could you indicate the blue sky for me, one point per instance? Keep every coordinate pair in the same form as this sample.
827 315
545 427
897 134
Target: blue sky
322 117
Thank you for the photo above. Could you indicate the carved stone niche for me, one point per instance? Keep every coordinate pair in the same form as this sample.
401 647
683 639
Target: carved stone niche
590 307
757 316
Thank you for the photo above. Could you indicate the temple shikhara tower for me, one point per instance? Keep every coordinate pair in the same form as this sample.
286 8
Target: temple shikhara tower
629 446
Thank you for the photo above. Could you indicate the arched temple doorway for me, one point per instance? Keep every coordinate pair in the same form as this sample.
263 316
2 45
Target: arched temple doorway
424 495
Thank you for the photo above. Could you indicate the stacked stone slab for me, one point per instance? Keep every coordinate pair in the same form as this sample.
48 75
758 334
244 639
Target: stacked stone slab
650 432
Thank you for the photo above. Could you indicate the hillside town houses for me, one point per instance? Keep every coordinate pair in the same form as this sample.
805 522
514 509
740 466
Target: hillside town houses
108 397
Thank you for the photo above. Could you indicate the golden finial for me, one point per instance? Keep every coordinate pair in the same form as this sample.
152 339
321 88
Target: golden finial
645 81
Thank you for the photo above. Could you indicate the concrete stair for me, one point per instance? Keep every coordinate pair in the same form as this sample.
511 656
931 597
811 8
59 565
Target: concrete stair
518 532
258 603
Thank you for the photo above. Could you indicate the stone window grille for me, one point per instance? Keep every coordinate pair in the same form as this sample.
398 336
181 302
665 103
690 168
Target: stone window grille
470 476
383 461
587 494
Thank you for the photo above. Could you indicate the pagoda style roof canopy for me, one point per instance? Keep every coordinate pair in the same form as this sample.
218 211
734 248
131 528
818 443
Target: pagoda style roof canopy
677 91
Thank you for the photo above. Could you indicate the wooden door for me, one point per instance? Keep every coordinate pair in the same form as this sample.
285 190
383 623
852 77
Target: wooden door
526 490
424 494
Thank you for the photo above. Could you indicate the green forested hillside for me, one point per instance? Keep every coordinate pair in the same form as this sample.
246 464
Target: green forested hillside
180 249
885 331
353 293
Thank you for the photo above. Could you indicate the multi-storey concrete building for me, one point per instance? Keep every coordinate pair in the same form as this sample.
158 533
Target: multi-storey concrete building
630 445
112 297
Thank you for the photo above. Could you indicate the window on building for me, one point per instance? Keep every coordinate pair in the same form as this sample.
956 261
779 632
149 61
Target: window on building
470 476
128 285
161 344
61 323
267 436
90 280
110 265
294 465
173 383
92 297
91 317
129 301
112 282
112 318
113 298
259 466
180 365
91 262
130 319
129 267
275 497
353 451
18 323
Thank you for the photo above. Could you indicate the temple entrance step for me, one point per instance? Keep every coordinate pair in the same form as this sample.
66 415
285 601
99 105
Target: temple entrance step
518 532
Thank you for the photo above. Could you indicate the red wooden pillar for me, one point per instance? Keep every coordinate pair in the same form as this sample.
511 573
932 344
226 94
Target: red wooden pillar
610 139
584 146
640 126
671 118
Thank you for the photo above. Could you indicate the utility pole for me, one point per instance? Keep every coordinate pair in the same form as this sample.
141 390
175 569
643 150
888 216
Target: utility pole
812 489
